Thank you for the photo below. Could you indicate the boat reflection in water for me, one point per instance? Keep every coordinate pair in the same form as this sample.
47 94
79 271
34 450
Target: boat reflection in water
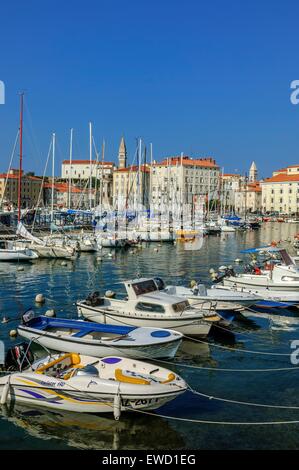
87 431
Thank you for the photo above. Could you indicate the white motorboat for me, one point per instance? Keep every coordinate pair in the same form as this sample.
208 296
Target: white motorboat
10 251
75 382
98 340
145 305
280 275
292 297
221 299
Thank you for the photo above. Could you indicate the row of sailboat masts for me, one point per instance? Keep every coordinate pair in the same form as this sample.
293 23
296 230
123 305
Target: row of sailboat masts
92 201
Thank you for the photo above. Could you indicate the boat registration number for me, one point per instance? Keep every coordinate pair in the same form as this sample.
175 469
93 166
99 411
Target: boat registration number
138 402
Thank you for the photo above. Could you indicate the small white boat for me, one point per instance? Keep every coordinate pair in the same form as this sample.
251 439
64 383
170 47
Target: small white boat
75 382
280 275
221 299
98 340
145 305
9 251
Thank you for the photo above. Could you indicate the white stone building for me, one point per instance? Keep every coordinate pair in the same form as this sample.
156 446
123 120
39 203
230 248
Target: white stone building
179 180
280 193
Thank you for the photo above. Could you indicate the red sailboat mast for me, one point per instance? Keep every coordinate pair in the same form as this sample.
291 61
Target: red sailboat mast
21 157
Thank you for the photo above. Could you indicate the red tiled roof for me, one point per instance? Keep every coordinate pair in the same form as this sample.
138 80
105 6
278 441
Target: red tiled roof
282 178
133 168
64 188
231 174
16 177
87 162
254 187
293 166
188 161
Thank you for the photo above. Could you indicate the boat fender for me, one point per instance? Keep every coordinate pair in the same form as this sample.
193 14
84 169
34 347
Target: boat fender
117 406
13 333
50 313
39 299
63 263
193 283
110 294
20 268
5 392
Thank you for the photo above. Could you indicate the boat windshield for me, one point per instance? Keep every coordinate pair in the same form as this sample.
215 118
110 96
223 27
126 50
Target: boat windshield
286 258
144 287
180 306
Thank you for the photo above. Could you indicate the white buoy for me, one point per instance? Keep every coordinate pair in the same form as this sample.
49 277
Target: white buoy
13 333
99 258
110 255
222 268
5 392
50 313
238 260
20 268
63 263
39 298
117 407
156 250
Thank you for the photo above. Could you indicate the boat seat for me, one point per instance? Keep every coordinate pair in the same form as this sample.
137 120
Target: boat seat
121 377
81 333
63 362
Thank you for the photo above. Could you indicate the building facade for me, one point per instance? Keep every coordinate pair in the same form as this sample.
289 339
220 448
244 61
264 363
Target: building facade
230 183
179 180
30 189
280 193
131 187
79 172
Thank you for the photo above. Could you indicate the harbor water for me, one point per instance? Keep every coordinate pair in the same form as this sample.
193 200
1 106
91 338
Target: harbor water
249 361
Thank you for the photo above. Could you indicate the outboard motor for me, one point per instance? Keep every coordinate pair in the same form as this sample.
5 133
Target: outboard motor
19 357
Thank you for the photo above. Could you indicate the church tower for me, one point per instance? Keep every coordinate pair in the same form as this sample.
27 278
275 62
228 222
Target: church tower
253 173
122 154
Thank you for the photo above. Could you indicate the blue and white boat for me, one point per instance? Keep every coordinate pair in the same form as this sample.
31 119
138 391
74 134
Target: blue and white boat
98 339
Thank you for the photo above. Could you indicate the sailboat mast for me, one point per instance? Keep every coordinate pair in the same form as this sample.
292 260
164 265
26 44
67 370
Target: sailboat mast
21 157
53 177
90 165
70 174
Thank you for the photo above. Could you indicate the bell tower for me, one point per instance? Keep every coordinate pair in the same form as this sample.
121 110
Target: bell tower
122 154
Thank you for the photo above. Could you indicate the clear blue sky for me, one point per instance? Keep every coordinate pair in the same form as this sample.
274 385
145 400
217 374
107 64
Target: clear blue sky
205 78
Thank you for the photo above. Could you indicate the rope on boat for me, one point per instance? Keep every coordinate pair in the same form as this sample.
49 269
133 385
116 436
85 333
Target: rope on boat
181 364
237 402
201 421
237 349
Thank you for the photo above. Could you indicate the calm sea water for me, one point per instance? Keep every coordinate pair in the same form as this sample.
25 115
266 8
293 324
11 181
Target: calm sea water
28 428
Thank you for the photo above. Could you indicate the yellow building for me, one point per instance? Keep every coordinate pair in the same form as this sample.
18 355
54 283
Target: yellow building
30 189
131 187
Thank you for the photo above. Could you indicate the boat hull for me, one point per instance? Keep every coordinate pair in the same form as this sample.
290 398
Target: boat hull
89 348
191 326
260 283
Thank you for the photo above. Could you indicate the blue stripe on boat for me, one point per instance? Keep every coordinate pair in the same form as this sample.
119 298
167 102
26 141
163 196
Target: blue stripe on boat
84 327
